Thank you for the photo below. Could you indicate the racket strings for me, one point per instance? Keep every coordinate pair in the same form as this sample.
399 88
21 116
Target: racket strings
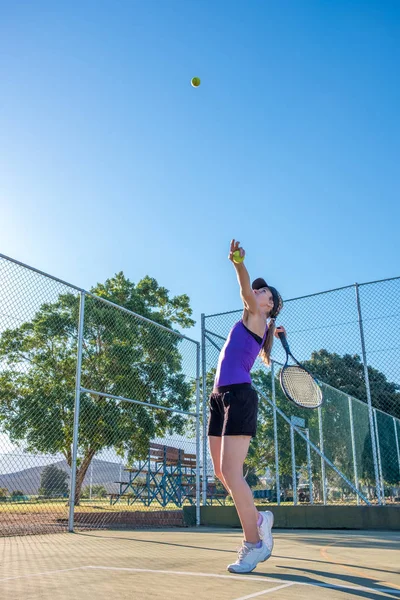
301 386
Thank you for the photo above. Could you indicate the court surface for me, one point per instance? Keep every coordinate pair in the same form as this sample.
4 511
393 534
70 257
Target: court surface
191 563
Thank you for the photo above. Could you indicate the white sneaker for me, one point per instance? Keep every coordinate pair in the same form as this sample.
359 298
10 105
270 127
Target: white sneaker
265 530
248 558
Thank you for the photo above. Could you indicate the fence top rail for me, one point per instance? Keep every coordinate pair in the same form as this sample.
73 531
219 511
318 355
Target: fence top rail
83 291
345 287
21 264
378 281
230 312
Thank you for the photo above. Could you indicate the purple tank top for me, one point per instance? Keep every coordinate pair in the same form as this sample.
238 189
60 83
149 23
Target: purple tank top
237 356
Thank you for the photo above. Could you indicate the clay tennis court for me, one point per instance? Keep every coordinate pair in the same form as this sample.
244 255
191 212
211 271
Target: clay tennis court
191 563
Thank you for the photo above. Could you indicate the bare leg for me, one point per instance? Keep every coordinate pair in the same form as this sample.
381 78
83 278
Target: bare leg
215 444
234 450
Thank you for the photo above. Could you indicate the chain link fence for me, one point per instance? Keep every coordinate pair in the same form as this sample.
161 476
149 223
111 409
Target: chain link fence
348 338
99 411
100 418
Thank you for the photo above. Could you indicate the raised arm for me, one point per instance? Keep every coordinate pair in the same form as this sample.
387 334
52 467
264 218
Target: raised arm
243 278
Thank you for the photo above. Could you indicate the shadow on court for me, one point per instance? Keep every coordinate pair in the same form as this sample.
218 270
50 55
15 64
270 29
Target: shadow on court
315 561
183 563
376 539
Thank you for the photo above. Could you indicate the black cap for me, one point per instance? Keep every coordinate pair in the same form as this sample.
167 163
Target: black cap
278 302
259 283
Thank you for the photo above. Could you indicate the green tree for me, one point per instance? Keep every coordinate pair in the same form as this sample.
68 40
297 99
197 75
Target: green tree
53 481
346 373
122 355
336 435
3 492
388 456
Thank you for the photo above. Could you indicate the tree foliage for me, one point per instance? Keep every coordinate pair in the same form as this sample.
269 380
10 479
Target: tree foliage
346 373
53 482
123 355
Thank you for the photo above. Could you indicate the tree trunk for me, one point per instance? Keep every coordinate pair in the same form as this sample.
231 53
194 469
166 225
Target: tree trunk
80 474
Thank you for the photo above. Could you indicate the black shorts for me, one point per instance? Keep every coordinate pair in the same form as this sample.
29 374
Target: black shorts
233 410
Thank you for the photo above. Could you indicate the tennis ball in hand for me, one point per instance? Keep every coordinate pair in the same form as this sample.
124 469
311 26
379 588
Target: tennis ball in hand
237 258
195 81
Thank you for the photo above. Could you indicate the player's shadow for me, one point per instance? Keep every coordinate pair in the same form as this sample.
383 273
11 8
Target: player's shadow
324 562
353 539
156 542
375 586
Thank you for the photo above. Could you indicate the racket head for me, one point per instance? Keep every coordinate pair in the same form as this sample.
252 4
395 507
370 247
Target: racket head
300 386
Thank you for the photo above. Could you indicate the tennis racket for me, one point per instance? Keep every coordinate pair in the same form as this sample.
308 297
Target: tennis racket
297 383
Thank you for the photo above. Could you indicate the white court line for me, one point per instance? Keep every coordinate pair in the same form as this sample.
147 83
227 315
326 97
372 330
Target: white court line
262 580
190 574
43 573
333 586
263 592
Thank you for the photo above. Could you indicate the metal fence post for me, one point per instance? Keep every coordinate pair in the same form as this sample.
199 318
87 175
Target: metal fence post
353 446
310 483
76 413
91 480
294 475
379 458
277 479
321 447
204 405
369 399
198 435
397 443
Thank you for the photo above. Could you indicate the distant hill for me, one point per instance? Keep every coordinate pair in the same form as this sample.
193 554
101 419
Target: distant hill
28 480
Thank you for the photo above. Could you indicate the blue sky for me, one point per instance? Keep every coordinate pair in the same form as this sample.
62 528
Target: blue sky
110 160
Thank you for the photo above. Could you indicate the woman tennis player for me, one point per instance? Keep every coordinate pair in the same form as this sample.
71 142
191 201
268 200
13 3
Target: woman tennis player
233 408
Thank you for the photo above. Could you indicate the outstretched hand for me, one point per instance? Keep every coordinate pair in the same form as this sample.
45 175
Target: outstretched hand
235 246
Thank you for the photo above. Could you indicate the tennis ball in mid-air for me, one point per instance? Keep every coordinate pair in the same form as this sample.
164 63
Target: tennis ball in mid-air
237 258
195 81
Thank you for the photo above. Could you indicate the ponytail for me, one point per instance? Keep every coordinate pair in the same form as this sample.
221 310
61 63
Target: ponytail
265 352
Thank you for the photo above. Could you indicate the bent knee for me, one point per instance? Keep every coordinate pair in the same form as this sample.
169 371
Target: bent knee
231 472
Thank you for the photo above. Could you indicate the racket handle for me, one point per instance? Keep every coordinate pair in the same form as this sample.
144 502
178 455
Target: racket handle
283 339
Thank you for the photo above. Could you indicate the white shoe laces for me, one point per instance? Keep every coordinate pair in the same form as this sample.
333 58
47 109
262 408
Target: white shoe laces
243 550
